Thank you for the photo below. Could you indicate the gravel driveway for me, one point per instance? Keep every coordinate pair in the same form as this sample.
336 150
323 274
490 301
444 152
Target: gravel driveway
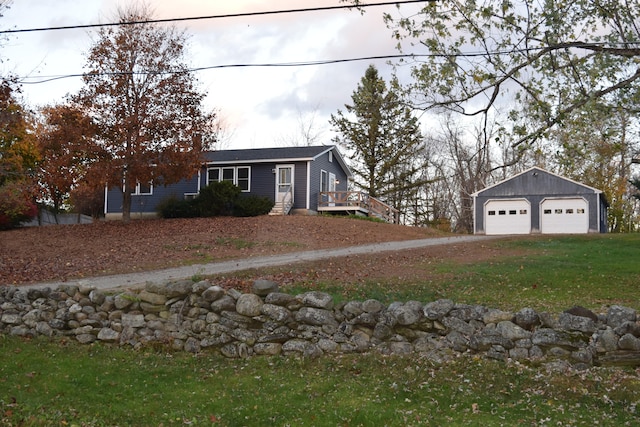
137 279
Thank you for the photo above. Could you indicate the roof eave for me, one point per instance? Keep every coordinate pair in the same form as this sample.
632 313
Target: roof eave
595 190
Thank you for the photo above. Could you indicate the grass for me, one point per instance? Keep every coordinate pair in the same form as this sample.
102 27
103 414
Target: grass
48 382
205 254
51 383
547 274
553 275
235 242
367 218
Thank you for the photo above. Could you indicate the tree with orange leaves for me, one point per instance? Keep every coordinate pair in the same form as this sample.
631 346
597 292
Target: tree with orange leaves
18 158
69 153
145 103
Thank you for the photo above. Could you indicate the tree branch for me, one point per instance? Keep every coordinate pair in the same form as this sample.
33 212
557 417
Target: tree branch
582 102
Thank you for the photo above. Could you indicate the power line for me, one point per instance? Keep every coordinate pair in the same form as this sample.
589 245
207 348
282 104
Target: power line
46 79
196 18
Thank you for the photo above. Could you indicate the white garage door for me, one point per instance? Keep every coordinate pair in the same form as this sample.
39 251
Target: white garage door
564 216
507 217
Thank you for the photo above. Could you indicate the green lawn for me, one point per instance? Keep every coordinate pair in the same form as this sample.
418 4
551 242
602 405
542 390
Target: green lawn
62 383
557 273
547 274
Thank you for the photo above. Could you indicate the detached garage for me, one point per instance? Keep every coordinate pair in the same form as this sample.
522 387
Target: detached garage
536 201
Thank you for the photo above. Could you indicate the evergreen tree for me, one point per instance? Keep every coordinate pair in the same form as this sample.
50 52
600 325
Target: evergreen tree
382 139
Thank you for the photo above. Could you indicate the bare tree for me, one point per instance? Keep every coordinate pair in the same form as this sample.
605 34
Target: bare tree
306 132
463 166
597 149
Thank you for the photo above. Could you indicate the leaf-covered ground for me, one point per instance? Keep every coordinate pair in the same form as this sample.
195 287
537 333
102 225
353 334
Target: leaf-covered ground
69 252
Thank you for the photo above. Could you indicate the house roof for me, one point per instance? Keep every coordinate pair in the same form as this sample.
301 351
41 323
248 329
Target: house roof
274 155
538 170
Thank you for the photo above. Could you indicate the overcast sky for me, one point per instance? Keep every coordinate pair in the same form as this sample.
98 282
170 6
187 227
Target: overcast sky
260 107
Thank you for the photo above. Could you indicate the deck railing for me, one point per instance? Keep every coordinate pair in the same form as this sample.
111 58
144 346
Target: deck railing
358 201
287 201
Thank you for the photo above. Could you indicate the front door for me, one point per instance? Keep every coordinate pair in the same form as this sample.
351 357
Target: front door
284 182
332 189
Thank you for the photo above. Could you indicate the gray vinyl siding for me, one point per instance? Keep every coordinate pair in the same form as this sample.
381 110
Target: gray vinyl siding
300 185
262 163
536 185
263 180
147 203
317 166
314 184
259 177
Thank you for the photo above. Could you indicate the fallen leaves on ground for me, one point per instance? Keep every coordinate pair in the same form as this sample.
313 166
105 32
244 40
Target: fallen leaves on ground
67 252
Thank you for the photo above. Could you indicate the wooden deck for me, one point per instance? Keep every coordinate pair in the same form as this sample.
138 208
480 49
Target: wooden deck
358 203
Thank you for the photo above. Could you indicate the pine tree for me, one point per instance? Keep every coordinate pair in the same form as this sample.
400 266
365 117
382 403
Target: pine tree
381 137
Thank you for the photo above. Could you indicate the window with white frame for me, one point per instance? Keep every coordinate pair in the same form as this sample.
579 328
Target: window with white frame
142 189
213 175
238 175
243 178
228 174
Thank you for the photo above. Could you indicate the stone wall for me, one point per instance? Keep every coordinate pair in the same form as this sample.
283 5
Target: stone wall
196 317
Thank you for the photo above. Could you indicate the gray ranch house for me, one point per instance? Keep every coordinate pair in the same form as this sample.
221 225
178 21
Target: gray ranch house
539 202
297 179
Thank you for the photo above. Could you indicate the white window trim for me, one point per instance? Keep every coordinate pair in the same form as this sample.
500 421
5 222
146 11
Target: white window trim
235 175
248 178
136 190
209 179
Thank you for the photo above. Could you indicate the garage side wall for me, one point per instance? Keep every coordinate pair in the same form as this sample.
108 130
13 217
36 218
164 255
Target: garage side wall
536 185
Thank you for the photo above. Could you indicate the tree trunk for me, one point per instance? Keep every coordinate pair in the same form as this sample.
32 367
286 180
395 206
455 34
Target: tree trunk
126 204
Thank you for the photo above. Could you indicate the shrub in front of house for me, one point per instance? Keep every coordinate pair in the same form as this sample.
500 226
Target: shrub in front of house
173 207
217 199
252 206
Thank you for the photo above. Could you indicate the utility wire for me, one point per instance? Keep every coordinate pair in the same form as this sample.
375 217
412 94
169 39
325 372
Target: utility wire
196 18
46 79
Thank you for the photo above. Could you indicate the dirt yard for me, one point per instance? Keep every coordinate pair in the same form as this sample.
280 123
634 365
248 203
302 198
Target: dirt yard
71 252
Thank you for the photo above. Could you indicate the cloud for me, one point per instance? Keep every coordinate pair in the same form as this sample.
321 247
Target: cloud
260 103
325 88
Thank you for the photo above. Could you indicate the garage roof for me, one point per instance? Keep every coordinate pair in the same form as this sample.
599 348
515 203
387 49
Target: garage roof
536 180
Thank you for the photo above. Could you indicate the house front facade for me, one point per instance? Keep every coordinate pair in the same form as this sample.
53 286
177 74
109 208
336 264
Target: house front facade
290 176
539 202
